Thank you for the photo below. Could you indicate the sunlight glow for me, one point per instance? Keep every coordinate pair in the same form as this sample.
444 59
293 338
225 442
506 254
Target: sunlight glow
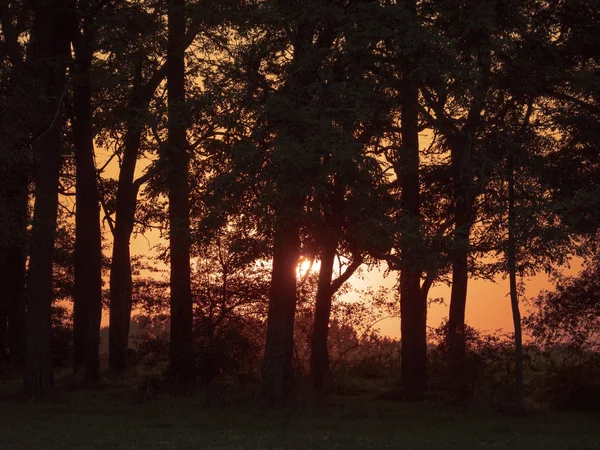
307 265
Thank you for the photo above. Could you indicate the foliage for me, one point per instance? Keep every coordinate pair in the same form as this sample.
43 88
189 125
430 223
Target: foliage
569 315
489 368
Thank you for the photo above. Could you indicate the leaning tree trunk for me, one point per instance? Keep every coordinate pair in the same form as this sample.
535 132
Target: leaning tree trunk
121 285
319 355
514 295
120 269
87 308
463 147
50 47
181 359
277 370
127 190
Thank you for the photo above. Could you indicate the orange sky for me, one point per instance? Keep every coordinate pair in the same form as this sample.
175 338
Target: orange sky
488 305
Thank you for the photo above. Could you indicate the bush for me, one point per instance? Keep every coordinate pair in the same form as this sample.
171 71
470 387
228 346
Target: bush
489 365
570 379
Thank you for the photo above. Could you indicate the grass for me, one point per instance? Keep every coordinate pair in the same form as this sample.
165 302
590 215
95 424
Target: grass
109 418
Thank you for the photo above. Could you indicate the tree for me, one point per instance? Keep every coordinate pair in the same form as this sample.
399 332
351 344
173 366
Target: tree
179 211
413 304
87 302
470 42
146 77
570 314
327 286
49 53
15 161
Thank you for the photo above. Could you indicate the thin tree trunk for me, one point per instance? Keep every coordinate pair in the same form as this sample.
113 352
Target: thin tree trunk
127 190
179 215
87 308
277 370
120 269
514 295
319 355
456 324
464 193
49 56
460 269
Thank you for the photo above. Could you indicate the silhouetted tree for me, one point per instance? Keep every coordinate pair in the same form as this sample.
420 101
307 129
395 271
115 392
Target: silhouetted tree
179 211
49 52
87 302
15 161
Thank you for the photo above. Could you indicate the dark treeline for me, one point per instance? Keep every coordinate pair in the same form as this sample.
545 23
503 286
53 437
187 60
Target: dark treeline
443 140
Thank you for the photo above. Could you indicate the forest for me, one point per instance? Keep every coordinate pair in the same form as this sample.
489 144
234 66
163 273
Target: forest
269 153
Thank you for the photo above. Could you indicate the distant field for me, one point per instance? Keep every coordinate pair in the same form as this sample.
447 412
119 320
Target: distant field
111 419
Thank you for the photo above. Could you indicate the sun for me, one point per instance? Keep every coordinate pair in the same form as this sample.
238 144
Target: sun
306 265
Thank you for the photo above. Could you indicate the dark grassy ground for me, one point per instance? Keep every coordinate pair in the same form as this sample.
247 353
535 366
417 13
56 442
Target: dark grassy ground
112 418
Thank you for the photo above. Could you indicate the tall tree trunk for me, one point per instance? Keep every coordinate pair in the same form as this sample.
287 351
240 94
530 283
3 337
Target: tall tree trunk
121 284
179 214
319 355
14 192
463 147
87 308
120 269
277 370
413 306
514 295
460 269
13 266
127 190
50 49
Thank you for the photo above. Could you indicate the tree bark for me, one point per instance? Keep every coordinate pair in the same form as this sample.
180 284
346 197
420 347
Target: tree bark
413 306
514 294
181 359
277 370
319 355
50 49
12 268
14 189
127 190
463 144
120 269
87 308
463 198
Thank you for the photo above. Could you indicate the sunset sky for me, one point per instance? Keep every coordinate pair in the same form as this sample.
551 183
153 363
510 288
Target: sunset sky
488 305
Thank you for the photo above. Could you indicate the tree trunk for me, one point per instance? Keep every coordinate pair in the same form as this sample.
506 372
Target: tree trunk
413 308
181 359
460 269
49 57
120 268
319 355
277 370
17 313
14 192
13 266
87 308
127 190
514 295
456 324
